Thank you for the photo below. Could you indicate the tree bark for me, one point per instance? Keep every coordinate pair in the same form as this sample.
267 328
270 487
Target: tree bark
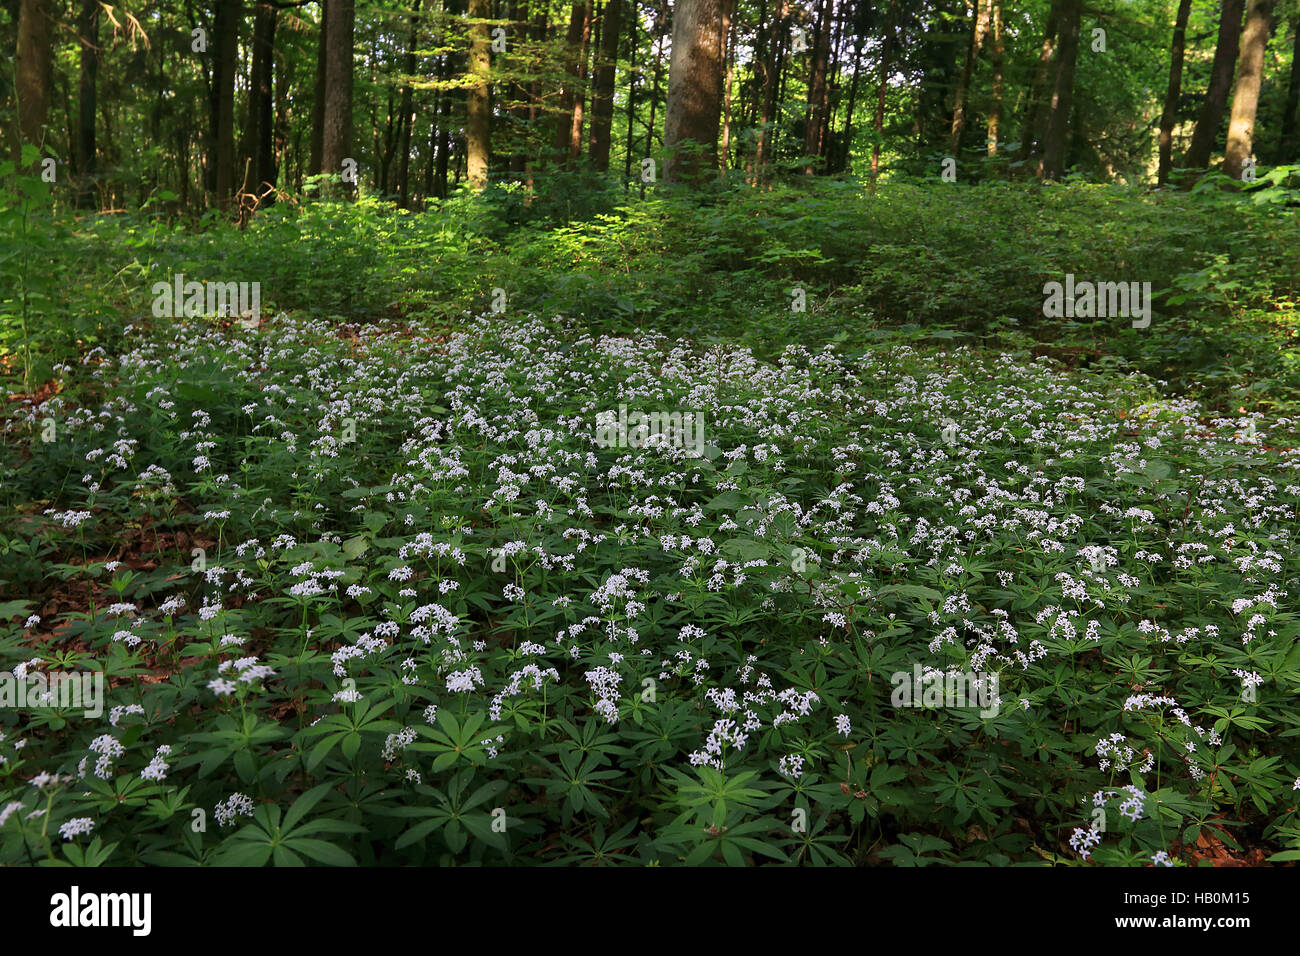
1172 93
998 51
225 47
979 28
1245 92
631 97
1029 131
260 143
1216 95
33 72
577 115
318 102
846 148
772 64
602 100
478 110
336 138
1052 165
694 109
407 109
886 64
657 51
88 39
569 85
817 66
1287 142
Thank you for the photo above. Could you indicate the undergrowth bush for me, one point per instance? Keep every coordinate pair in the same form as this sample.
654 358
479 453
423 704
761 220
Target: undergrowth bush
377 594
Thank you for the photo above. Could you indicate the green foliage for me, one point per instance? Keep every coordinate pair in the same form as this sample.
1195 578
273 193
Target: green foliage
432 621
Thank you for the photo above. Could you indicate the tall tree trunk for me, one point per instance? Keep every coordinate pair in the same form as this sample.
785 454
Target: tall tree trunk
517 92
815 114
541 27
772 66
657 51
995 108
1216 95
432 152
336 139
577 115
408 111
631 95
602 100
846 148
260 148
1288 141
283 77
759 65
444 133
1030 140
1052 165
88 39
1174 90
694 109
729 59
318 102
886 64
478 109
183 124
225 46
33 72
1245 92
569 84
979 27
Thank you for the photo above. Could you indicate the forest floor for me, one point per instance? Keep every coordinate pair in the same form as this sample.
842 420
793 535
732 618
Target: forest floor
478 561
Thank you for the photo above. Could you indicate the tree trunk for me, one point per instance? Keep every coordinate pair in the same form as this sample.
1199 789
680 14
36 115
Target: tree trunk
631 97
979 27
225 46
569 84
444 133
657 51
260 148
815 113
729 59
478 109
580 89
771 64
318 103
1029 127
846 148
886 57
995 109
1052 165
602 100
336 138
1174 90
1287 142
88 39
33 72
282 74
517 92
408 112
1216 95
1245 92
694 109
